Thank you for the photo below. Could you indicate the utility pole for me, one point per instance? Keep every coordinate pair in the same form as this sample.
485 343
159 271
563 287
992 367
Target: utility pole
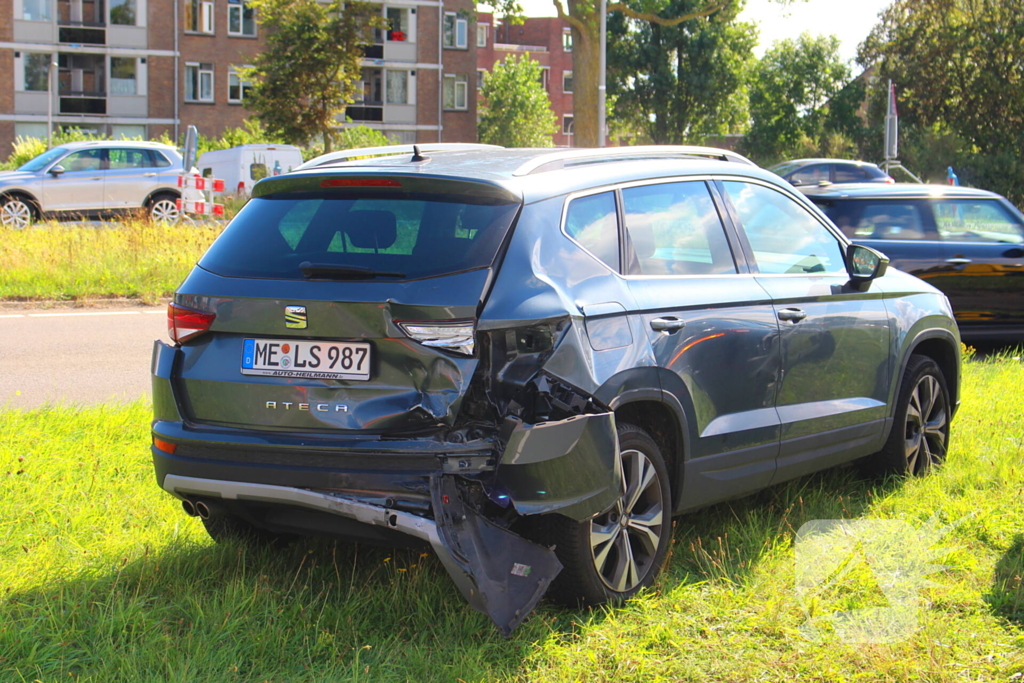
601 84
51 69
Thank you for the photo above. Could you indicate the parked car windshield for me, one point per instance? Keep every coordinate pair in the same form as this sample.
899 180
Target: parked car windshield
405 237
43 160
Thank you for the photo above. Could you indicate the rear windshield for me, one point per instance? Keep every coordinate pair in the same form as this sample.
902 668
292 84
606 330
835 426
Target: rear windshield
409 236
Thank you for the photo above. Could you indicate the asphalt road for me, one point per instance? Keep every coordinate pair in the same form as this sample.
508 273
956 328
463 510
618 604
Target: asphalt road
75 356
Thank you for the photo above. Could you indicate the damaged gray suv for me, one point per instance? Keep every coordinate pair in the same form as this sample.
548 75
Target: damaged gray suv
531 360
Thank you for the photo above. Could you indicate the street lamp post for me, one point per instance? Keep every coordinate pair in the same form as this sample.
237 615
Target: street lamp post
51 69
601 83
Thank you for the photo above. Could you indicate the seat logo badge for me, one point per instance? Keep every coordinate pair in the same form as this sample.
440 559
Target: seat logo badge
295 317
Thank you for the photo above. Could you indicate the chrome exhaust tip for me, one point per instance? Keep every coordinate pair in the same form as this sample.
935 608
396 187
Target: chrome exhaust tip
189 507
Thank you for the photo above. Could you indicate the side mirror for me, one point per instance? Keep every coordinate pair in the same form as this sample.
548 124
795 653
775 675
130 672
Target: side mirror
56 170
796 183
864 264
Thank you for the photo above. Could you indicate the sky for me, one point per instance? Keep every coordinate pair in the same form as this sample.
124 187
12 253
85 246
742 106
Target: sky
850 20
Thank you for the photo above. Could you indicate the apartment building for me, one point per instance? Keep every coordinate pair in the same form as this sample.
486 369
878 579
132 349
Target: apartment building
548 41
148 67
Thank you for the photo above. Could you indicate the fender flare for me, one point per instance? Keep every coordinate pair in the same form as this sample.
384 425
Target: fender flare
159 191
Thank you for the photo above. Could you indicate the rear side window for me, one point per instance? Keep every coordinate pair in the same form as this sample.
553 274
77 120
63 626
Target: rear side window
878 220
848 173
410 236
593 223
976 220
675 230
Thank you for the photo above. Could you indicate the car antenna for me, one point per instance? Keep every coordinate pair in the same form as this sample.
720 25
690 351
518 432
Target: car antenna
416 156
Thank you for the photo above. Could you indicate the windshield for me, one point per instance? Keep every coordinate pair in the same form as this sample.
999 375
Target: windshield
43 160
408 236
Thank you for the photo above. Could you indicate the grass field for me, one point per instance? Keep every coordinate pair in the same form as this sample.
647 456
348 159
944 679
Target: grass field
135 259
104 579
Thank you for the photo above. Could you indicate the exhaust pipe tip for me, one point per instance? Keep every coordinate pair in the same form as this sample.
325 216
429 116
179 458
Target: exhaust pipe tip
207 509
202 509
189 507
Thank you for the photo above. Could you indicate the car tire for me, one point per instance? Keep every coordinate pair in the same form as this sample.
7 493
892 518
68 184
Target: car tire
163 208
919 437
232 529
16 212
606 559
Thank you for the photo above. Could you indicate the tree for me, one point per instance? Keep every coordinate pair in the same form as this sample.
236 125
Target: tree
311 66
516 110
789 90
678 83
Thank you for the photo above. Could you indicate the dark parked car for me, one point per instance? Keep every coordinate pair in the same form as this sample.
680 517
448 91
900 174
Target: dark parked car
809 172
968 243
532 359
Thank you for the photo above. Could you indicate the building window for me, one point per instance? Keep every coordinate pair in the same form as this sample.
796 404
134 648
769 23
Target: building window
567 40
199 16
456 30
481 35
36 10
566 81
456 92
397 87
123 76
122 12
567 124
199 82
238 89
241 20
398 24
481 74
545 73
36 69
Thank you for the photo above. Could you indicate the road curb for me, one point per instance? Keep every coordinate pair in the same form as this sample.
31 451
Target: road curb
81 303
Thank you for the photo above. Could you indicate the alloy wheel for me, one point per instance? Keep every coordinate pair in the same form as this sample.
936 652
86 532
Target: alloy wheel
927 426
164 211
624 541
15 213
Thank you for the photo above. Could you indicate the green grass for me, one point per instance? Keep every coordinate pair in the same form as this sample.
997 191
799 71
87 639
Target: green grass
136 259
104 579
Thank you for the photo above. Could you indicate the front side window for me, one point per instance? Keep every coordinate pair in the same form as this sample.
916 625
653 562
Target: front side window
810 175
238 89
456 92
199 82
86 160
241 20
881 220
36 10
976 220
784 236
675 230
397 87
456 30
37 67
592 222
123 76
123 12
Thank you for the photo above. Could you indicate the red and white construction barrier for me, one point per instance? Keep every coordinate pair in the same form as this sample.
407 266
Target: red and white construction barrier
201 208
209 186
200 183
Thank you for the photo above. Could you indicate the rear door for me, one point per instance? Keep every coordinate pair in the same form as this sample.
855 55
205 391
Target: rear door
712 327
131 176
349 308
834 339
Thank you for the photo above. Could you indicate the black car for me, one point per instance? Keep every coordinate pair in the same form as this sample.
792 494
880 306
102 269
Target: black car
968 243
530 360
810 172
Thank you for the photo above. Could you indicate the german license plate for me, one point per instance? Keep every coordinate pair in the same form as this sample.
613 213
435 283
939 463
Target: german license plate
312 359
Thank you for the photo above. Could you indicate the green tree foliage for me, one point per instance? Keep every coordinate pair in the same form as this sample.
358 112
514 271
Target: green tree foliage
311 66
516 111
957 69
676 84
797 98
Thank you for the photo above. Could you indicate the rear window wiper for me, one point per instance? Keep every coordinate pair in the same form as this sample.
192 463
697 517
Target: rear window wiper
336 272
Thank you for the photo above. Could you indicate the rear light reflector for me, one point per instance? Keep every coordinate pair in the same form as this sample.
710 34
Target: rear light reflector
359 182
451 335
165 446
185 323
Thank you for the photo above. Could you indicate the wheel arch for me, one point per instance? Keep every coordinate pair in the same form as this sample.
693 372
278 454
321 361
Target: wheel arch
156 193
943 347
24 194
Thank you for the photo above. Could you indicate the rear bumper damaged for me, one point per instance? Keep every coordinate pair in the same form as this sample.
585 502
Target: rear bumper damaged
568 467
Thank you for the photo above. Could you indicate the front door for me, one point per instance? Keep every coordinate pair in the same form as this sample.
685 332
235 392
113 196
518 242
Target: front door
80 187
834 342
712 327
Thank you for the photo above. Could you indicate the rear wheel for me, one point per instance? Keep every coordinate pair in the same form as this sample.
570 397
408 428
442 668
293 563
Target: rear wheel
163 208
16 212
920 433
612 556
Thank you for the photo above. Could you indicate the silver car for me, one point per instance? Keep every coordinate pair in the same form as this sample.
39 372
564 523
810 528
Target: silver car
94 178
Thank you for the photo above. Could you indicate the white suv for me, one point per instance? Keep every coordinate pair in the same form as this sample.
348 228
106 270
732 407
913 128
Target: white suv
92 179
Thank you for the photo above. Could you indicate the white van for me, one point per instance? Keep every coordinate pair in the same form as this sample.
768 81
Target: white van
240 167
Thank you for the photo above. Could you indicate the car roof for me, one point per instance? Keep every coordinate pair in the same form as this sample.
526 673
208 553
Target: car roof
534 174
85 144
893 191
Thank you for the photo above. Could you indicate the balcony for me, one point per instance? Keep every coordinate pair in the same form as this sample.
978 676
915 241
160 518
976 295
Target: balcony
81 33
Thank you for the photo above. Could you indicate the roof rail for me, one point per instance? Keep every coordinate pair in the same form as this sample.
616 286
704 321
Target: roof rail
389 150
567 158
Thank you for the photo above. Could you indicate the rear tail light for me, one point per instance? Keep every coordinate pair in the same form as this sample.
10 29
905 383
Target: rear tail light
450 335
185 323
165 446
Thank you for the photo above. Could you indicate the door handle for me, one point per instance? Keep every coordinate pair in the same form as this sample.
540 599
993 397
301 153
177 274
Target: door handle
149 175
793 314
669 325
959 261
99 177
